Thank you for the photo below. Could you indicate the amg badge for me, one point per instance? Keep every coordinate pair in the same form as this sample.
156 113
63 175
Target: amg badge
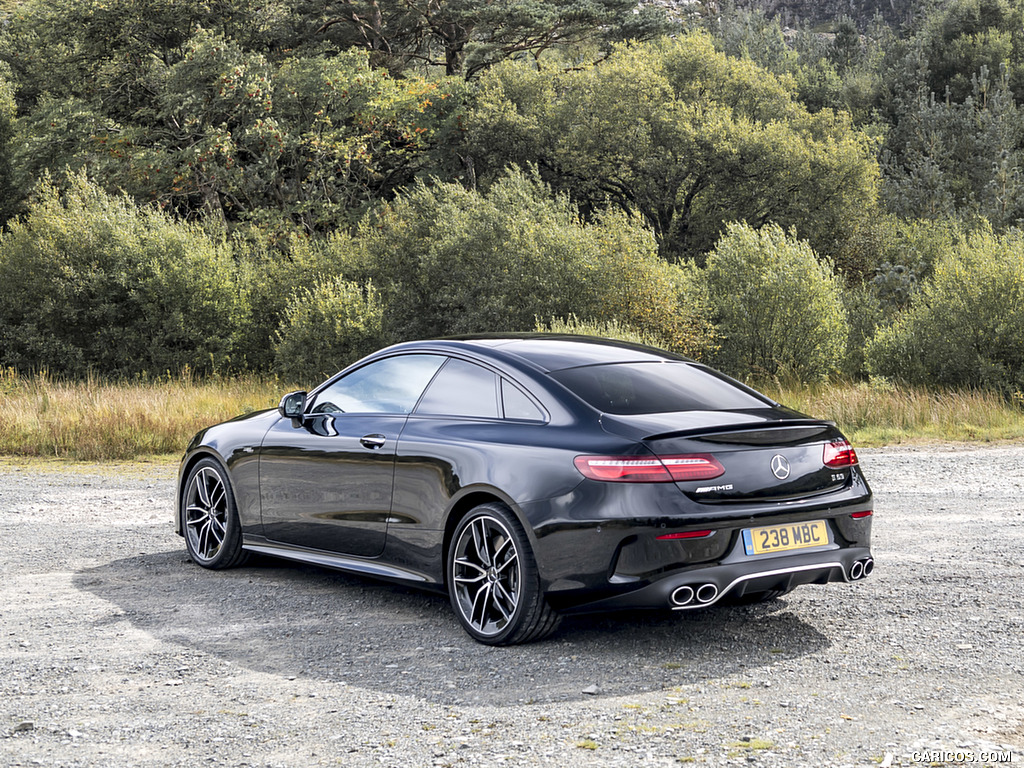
710 488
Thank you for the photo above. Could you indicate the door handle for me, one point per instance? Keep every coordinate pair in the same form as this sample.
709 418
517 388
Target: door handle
372 441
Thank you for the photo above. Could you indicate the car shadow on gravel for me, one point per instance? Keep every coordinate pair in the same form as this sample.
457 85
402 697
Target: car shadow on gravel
288 619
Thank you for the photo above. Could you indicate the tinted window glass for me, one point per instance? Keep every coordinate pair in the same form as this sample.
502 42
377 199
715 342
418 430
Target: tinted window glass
656 388
462 389
391 385
517 404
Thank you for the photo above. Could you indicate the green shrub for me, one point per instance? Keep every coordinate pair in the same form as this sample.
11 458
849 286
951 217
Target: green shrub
271 278
448 260
778 308
964 327
326 328
90 282
864 313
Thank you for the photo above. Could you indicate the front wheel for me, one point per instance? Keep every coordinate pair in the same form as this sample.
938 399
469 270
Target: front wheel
213 534
493 580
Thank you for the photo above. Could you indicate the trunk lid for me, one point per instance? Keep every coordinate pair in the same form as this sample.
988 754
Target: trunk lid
771 454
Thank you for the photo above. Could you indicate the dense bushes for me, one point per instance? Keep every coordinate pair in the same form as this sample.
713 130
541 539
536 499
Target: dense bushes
326 327
778 308
91 282
965 327
447 261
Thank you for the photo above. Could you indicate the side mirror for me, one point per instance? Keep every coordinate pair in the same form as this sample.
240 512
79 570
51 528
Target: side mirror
292 405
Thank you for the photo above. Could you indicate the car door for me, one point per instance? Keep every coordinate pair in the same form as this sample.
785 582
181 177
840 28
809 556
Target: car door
468 416
326 479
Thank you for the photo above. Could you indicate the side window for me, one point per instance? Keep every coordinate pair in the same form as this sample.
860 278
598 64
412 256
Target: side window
517 405
391 385
462 389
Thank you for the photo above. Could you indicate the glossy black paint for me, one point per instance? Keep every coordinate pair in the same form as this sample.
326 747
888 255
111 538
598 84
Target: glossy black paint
322 486
382 493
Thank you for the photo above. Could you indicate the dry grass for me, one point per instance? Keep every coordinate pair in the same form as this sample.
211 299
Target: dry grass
102 421
887 415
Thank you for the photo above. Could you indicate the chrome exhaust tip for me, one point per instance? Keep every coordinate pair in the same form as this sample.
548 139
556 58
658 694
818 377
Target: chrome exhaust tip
857 571
706 593
682 595
869 566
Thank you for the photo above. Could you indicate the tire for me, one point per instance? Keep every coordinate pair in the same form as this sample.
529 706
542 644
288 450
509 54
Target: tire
209 518
493 581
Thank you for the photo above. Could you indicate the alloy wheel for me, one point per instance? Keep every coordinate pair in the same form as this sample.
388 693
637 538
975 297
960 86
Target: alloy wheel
487 575
206 513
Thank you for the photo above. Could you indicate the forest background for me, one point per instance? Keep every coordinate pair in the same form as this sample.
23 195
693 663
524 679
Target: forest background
201 199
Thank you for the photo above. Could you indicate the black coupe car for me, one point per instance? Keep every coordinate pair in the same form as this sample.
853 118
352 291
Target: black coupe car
533 475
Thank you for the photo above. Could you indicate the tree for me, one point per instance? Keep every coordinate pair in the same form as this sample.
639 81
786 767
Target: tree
467 36
686 136
968 35
957 159
8 193
210 129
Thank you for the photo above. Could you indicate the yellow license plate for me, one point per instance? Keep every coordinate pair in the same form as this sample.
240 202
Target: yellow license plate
783 538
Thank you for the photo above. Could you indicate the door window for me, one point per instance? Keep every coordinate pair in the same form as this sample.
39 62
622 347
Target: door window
391 385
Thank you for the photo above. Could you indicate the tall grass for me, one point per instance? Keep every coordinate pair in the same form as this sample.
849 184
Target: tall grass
100 421
95 420
886 414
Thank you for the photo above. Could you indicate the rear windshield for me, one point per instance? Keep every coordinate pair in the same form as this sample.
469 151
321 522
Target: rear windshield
631 388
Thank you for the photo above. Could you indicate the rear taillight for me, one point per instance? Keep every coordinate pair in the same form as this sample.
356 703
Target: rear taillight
684 535
652 469
861 515
839 453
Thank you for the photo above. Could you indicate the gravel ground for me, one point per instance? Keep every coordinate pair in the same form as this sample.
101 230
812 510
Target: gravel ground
116 651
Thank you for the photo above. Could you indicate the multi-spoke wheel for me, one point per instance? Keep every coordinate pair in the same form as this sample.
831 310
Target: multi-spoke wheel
213 535
493 581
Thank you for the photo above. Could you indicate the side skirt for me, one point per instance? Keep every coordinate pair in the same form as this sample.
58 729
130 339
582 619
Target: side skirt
333 560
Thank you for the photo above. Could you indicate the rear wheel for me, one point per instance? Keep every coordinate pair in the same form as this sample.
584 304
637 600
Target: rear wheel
213 534
493 580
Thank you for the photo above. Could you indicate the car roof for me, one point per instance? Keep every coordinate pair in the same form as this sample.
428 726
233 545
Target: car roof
556 352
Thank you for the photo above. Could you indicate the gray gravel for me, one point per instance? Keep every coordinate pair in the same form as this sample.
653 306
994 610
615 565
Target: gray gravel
117 651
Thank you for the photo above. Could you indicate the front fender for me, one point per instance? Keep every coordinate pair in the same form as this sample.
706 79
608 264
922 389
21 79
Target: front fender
235 445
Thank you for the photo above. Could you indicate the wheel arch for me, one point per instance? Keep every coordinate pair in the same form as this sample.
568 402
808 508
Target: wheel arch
468 501
187 465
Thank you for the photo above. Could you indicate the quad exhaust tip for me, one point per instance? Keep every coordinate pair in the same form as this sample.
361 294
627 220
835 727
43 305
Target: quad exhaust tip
683 596
687 595
862 568
706 593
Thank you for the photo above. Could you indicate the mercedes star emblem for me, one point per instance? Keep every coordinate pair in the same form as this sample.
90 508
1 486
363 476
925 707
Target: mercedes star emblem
780 467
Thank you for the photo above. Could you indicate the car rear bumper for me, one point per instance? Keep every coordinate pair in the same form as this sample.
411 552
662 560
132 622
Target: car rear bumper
705 586
600 557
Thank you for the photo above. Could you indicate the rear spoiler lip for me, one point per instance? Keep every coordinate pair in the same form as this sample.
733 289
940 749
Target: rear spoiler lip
754 426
